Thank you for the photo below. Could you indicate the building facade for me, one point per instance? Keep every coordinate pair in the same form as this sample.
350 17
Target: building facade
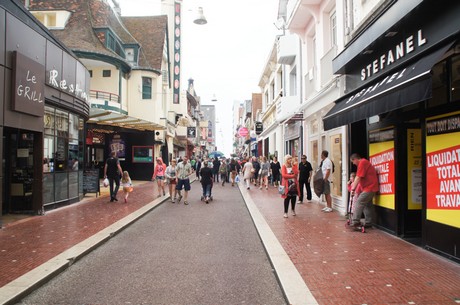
45 104
401 105
130 90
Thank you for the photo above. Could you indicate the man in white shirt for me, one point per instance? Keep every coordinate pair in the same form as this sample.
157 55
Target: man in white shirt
183 171
326 167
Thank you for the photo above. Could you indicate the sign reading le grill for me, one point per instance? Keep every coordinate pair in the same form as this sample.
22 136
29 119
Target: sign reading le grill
28 85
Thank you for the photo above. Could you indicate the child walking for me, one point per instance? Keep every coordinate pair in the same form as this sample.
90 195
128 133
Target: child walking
127 185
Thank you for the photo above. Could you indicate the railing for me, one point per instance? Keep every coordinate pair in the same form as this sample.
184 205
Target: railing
102 95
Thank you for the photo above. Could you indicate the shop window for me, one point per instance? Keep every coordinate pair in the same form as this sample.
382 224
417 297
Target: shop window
455 78
439 85
106 73
146 88
62 123
48 119
314 154
335 154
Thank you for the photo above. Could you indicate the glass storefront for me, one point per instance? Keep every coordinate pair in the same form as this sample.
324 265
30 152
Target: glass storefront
62 156
335 154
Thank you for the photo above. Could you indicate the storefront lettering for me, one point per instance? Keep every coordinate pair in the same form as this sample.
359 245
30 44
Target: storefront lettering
386 80
405 47
27 91
62 85
443 169
443 125
384 166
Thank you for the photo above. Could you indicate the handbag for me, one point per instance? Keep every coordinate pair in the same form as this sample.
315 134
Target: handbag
106 182
281 189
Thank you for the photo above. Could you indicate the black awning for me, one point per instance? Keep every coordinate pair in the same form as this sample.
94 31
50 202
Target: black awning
409 85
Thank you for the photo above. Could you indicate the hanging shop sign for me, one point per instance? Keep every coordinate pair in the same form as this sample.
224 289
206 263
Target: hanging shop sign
243 132
191 132
28 85
382 157
443 169
259 127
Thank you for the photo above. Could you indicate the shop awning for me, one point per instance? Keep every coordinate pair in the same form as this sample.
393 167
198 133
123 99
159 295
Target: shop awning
111 118
407 86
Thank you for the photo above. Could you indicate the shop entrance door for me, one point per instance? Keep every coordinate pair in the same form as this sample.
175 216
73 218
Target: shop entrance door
19 171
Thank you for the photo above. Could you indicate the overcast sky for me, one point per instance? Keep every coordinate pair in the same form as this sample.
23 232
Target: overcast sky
226 56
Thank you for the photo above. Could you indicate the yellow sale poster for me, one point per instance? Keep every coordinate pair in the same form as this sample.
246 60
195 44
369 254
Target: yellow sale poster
382 157
443 169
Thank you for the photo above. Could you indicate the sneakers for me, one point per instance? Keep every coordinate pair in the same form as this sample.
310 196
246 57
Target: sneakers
185 202
207 200
300 202
293 213
285 215
327 210
173 200
260 188
266 188
179 199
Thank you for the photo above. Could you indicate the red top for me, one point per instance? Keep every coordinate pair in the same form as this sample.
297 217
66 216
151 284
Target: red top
286 176
368 176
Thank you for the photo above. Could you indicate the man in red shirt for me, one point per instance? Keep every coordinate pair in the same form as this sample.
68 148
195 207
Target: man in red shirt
366 177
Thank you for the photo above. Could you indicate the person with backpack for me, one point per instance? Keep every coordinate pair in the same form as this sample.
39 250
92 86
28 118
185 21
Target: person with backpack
327 169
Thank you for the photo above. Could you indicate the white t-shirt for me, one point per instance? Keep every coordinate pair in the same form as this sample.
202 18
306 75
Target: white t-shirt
327 165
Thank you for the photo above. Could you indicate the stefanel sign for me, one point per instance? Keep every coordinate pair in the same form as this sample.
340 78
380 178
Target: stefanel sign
28 85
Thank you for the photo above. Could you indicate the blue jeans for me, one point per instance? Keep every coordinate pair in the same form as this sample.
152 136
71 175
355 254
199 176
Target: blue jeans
207 190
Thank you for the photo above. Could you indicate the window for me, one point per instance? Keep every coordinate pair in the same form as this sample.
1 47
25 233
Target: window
90 73
146 88
335 154
52 19
106 73
129 54
293 82
455 78
333 25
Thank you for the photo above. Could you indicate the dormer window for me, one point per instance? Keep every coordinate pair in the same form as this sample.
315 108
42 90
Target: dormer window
53 20
129 52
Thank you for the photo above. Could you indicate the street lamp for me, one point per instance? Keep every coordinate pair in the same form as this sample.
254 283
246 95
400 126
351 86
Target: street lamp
200 19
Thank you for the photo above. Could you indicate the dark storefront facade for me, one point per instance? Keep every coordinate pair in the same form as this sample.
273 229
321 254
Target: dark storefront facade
44 107
403 96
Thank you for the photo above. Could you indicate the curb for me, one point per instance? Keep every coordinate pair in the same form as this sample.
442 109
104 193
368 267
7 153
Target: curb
292 284
14 291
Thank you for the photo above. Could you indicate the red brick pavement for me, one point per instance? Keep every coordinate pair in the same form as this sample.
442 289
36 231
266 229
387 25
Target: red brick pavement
26 244
344 267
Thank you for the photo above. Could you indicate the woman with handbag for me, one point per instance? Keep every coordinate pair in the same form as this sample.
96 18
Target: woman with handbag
289 172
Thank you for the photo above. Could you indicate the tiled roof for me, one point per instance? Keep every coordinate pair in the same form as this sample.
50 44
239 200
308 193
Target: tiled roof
79 34
151 33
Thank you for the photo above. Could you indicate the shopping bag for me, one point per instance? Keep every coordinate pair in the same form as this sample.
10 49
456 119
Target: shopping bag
318 182
106 182
281 189
237 179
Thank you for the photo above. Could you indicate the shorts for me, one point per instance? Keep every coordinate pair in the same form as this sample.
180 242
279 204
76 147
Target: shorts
327 188
160 177
183 183
172 181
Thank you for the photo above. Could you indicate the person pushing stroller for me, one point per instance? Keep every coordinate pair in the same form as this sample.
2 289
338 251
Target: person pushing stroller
206 174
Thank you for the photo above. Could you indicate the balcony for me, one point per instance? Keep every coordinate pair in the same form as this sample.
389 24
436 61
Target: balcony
105 96
287 49
326 66
286 107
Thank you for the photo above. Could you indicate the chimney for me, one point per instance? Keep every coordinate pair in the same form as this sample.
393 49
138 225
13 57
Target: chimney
116 7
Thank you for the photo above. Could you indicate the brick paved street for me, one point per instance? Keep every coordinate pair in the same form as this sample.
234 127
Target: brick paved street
30 242
339 267
343 267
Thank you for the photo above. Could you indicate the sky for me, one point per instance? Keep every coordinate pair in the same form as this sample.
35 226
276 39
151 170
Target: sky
225 57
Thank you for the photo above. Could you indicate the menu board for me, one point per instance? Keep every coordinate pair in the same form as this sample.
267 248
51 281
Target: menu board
91 181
